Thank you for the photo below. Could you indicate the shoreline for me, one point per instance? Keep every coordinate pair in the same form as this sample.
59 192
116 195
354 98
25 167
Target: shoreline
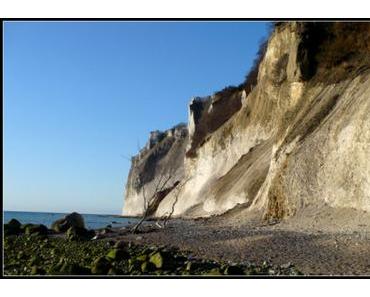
312 246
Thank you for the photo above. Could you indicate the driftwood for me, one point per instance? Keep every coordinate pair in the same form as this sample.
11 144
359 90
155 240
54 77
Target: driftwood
160 186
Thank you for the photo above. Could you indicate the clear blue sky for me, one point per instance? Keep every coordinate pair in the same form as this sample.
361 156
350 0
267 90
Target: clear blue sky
80 96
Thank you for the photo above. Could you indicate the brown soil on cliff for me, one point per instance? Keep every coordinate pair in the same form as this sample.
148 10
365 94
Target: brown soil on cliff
314 248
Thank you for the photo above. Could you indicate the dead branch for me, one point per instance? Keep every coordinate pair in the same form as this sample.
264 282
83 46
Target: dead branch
160 185
167 218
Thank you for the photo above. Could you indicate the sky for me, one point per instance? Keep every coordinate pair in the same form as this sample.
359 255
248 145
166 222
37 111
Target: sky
80 98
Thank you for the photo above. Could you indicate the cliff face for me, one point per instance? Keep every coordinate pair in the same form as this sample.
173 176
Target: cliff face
298 137
156 170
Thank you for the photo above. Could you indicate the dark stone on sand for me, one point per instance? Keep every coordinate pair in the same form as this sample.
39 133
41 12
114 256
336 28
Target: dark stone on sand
79 234
157 259
120 244
74 269
106 231
13 227
71 220
24 227
14 223
100 266
35 270
36 230
234 270
147 267
117 255
214 271
134 265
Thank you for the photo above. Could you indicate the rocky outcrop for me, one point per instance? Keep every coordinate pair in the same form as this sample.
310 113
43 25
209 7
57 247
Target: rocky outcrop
73 219
299 137
156 170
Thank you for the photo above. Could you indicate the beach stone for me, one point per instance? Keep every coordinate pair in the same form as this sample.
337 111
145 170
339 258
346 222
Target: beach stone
97 237
73 219
112 271
100 266
189 266
214 271
120 244
73 269
13 227
79 234
134 265
36 230
234 270
144 267
192 266
35 270
24 227
106 231
117 254
157 259
10 230
286 265
147 267
15 223
21 255
142 258
35 260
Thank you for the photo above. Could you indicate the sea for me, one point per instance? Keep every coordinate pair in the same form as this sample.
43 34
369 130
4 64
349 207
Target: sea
92 221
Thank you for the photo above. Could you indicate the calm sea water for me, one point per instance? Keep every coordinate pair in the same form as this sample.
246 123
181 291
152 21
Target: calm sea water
92 221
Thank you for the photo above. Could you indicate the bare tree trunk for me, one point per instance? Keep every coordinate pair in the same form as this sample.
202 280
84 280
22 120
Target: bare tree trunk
166 219
148 203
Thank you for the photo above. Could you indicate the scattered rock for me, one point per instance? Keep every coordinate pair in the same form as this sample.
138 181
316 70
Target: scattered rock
286 266
234 270
157 259
36 230
21 255
73 269
71 220
35 270
78 234
142 257
100 266
13 227
147 266
112 271
134 265
214 271
120 244
106 231
14 223
117 254
97 237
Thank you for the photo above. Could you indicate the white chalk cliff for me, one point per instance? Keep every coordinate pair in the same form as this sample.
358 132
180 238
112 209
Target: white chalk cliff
298 136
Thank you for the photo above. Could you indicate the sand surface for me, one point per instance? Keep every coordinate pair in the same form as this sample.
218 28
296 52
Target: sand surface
328 242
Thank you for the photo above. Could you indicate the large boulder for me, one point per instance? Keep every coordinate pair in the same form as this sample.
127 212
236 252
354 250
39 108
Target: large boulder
13 227
73 219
